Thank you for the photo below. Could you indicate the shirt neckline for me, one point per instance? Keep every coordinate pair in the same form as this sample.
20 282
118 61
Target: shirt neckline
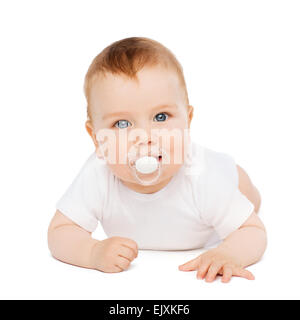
150 196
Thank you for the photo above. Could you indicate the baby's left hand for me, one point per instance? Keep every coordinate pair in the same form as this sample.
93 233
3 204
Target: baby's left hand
213 262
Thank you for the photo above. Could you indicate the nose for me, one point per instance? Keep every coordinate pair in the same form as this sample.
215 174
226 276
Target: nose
146 140
145 136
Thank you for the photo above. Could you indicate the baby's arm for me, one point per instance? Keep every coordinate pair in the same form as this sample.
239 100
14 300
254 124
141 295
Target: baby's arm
248 188
72 244
240 249
247 244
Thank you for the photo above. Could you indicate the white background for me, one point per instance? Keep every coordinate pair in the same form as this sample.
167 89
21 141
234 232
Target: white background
241 63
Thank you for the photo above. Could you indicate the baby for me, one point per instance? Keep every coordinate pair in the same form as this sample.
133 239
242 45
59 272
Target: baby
148 183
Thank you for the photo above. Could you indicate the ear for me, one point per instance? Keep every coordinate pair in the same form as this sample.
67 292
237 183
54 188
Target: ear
90 130
190 114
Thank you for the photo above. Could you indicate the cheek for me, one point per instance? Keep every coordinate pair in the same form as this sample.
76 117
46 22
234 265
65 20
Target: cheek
177 144
121 152
120 166
121 171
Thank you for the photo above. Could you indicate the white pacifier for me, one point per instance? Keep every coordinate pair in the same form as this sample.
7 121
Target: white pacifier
146 168
146 164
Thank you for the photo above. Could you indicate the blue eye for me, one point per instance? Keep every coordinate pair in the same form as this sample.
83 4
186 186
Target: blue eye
161 117
122 124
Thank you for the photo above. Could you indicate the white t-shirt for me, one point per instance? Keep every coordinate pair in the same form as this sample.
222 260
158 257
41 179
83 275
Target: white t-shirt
201 202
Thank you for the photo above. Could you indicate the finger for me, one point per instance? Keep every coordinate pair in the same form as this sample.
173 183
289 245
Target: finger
130 244
190 265
117 269
227 273
213 270
123 263
202 268
127 253
113 269
240 272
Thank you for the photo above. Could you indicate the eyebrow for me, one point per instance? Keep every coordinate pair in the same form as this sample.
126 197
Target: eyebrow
119 114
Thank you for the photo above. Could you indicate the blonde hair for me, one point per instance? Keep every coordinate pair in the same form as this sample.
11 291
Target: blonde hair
127 57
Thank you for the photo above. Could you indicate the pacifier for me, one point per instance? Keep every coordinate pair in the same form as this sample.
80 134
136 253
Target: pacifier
145 165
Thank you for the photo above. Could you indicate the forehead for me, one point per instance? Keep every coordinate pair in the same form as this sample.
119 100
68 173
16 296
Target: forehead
155 86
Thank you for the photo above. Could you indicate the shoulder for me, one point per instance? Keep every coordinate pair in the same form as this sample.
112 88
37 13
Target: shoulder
94 167
83 200
214 176
221 166
91 180
213 166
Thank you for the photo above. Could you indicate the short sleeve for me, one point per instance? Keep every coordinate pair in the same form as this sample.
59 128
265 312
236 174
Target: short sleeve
83 200
225 208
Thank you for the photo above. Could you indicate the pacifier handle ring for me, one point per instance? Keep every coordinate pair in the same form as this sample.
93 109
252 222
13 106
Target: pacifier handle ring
148 182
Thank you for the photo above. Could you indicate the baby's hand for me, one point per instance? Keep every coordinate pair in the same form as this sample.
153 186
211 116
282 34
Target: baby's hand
215 262
113 254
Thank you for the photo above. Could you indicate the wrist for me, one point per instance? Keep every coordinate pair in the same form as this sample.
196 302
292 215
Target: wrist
226 250
94 253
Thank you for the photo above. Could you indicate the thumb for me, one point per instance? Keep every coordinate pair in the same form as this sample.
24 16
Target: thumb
190 265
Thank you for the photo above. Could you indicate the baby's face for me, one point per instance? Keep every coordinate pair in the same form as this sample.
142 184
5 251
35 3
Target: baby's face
140 116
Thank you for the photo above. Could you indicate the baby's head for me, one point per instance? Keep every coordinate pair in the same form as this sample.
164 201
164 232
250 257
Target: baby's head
137 104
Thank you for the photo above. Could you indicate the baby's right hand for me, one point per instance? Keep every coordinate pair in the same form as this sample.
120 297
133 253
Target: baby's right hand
113 254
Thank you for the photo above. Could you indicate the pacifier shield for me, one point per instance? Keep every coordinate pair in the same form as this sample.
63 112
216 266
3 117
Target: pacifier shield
146 164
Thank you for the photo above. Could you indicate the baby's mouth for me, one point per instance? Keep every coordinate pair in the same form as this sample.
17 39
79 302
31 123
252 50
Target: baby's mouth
145 166
158 158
